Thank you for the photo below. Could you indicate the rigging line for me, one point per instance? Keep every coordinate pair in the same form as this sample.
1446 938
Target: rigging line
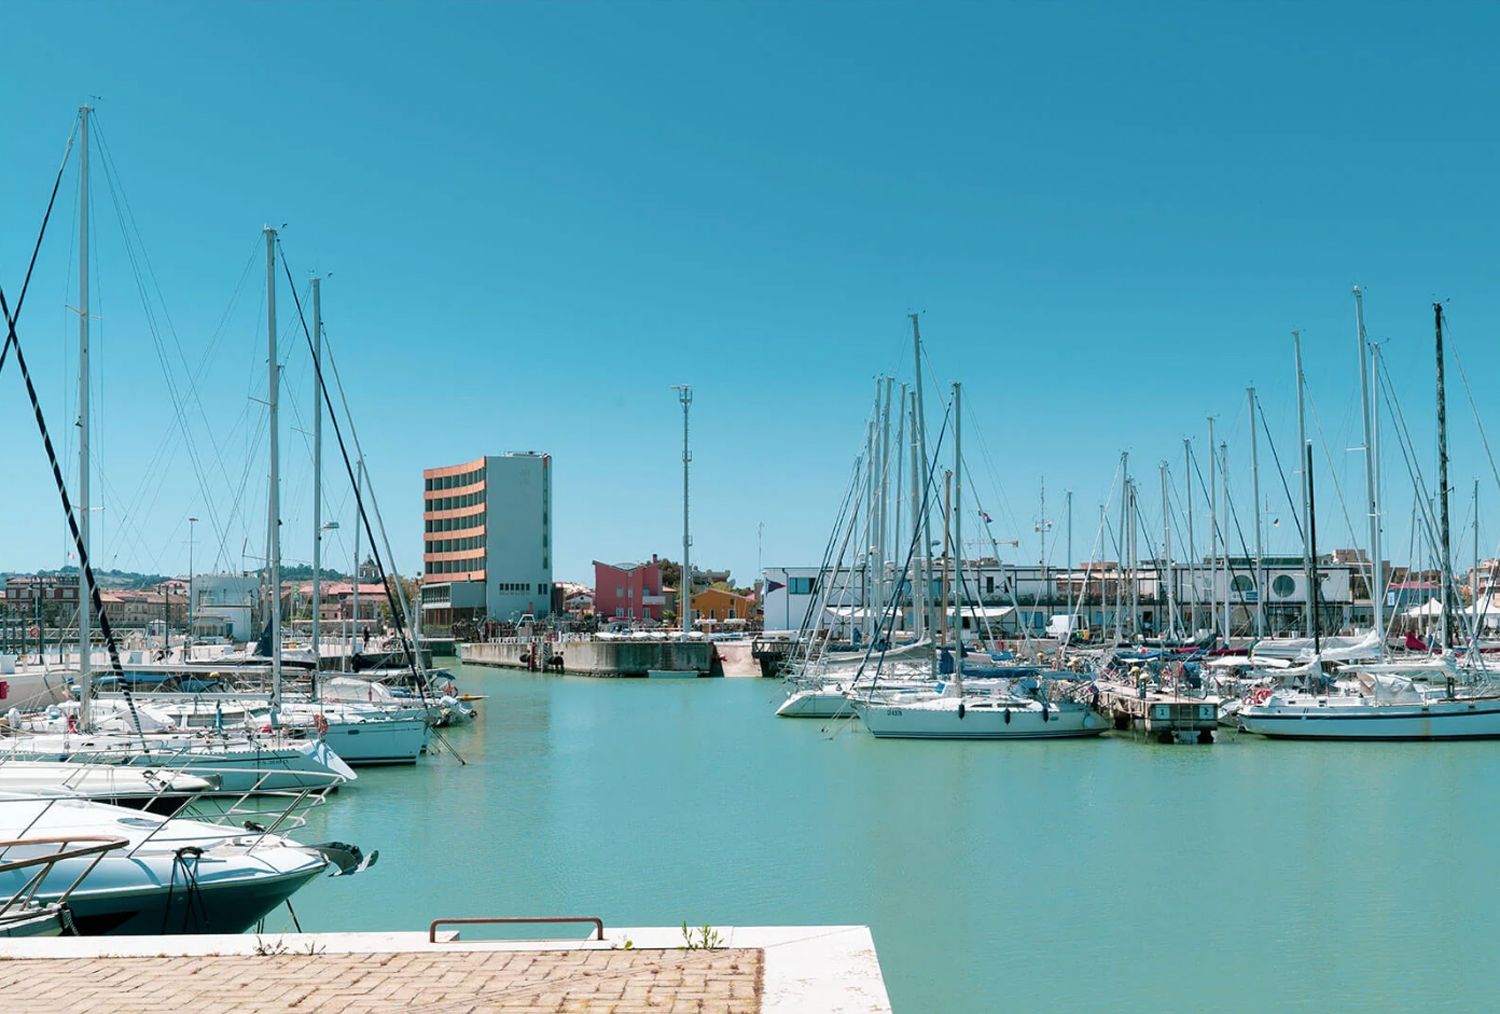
136 258
1293 507
11 318
85 568
397 612
1338 488
1484 438
916 536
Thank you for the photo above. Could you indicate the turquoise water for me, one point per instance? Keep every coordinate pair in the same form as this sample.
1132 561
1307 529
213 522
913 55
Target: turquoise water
1066 875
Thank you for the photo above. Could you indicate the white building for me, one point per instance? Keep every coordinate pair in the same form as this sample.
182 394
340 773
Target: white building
1005 599
487 539
226 605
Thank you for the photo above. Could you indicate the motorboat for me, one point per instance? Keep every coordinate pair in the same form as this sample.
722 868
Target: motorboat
170 876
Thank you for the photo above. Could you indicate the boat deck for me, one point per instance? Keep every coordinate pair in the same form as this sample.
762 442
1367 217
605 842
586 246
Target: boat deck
756 971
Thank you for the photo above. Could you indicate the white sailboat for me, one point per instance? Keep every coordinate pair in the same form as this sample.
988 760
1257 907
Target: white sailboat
954 714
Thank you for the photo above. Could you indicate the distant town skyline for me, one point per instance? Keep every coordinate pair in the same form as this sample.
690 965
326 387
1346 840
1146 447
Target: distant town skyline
540 217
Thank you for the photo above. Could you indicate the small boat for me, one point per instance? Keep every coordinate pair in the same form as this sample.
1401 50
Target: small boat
672 674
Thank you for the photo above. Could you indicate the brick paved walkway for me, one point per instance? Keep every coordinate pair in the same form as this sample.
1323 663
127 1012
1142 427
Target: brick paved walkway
513 982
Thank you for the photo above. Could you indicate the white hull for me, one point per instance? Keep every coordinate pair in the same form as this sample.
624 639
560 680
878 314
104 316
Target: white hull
828 702
979 718
1438 719
240 766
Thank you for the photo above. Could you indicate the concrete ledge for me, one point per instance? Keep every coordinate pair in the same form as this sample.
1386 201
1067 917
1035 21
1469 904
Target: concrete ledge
813 968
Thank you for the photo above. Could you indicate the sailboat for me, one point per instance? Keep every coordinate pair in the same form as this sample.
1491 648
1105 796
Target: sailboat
953 713
1384 702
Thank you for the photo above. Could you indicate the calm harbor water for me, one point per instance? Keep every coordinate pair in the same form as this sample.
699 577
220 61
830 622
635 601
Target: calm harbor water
1063 875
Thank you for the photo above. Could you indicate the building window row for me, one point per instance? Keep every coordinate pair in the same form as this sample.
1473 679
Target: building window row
448 503
455 545
519 587
458 481
463 566
801 585
453 524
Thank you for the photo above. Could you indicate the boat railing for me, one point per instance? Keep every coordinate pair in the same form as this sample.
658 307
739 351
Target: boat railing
251 811
97 846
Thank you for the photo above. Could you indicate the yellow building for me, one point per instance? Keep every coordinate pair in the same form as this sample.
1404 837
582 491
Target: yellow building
718 604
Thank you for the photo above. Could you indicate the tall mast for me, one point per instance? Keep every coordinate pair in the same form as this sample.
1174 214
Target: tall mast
1187 473
359 495
1213 532
1312 534
921 430
1260 577
1307 560
85 632
685 595
919 588
317 559
1120 545
882 589
894 466
958 529
872 465
1166 553
1133 517
1228 570
1372 498
1375 470
1444 534
1474 585
273 396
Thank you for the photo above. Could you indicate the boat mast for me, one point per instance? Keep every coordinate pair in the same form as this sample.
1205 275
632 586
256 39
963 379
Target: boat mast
921 431
1213 532
1474 586
867 550
1228 570
919 588
273 386
1375 468
317 554
1260 577
881 546
1312 534
1068 494
359 494
1307 560
1135 560
685 593
958 531
1372 501
1187 473
85 632
1120 546
1445 544
1166 553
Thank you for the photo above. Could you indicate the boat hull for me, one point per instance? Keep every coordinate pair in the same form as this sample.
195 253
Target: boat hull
979 721
1434 721
827 703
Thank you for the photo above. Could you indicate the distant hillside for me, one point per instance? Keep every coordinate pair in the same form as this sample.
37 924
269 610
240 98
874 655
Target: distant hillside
106 578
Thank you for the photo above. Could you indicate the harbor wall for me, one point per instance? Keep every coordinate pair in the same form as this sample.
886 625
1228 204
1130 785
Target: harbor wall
592 657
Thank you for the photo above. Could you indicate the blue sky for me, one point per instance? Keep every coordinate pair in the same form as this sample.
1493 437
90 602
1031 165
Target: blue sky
537 217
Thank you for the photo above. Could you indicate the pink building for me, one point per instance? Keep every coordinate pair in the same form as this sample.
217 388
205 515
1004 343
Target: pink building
628 591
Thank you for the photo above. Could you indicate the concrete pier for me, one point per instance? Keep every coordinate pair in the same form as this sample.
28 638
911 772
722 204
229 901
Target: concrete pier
744 970
591 656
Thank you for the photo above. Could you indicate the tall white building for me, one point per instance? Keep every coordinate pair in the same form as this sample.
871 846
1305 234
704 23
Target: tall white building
487 539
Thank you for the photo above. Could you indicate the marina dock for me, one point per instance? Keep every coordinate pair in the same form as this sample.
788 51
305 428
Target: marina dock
745 970
1166 718
591 656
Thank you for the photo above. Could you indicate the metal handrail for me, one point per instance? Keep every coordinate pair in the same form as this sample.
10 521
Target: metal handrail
591 920
102 844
